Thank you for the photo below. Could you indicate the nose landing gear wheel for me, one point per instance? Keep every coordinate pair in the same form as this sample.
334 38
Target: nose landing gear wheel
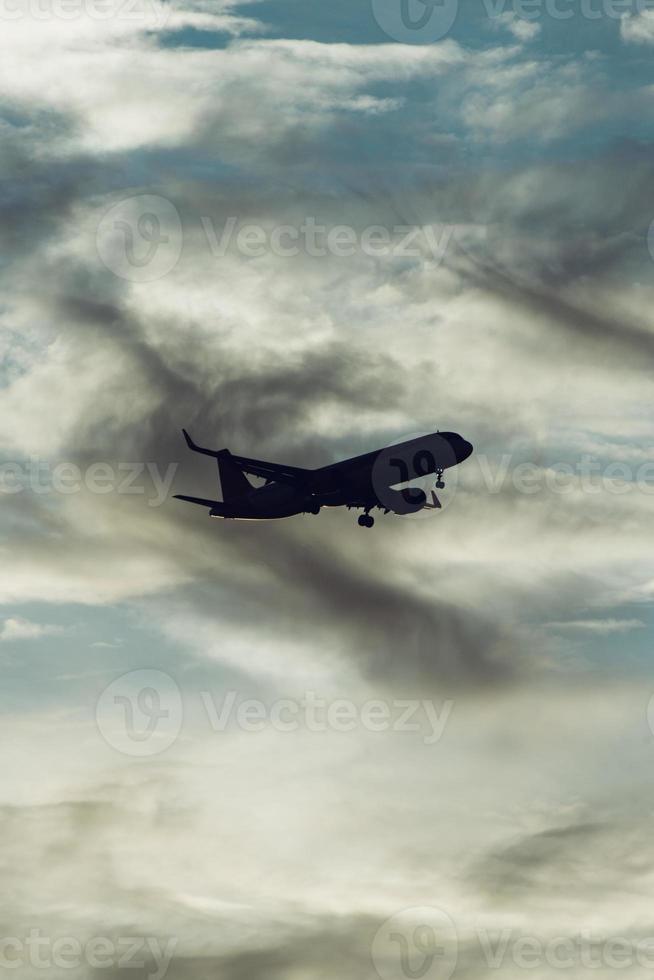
365 520
440 483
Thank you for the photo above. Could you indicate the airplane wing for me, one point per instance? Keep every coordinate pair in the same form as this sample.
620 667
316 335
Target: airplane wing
200 501
272 471
258 467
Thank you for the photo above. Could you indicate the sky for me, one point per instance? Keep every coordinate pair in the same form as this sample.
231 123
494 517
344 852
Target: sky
304 750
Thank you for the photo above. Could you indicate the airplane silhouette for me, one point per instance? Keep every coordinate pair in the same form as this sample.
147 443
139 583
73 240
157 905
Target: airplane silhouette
364 482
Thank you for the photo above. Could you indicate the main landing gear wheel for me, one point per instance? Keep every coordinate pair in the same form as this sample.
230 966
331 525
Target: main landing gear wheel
440 483
366 520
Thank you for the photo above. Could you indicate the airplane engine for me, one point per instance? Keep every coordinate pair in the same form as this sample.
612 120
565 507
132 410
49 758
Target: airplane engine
407 501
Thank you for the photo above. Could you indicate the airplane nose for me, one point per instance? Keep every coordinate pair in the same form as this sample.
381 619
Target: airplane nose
462 448
465 450
455 447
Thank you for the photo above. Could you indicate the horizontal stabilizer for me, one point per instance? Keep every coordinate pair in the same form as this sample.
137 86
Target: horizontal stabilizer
200 501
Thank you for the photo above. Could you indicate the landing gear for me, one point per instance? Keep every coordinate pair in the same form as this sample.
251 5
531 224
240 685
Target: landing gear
440 483
365 520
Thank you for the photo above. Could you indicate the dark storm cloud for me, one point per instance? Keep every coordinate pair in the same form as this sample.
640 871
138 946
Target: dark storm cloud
330 948
397 637
599 338
220 842
394 635
257 403
551 234
40 186
232 943
555 853
581 227
566 861
260 399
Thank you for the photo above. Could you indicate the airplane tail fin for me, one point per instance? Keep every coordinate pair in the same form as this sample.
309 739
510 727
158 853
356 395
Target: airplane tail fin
233 480
196 448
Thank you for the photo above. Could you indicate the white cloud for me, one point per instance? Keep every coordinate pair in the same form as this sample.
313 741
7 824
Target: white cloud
599 626
262 801
638 28
137 94
522 29
15 628
541 99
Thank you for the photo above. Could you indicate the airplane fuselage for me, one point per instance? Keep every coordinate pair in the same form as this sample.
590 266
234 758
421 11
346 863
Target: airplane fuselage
377 479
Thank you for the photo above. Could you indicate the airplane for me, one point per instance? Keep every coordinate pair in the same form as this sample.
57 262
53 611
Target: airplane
373 480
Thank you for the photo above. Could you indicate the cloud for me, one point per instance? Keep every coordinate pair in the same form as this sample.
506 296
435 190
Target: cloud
599 626
531 335
16 628
522 29
530 866
638 28
562 860
200 90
